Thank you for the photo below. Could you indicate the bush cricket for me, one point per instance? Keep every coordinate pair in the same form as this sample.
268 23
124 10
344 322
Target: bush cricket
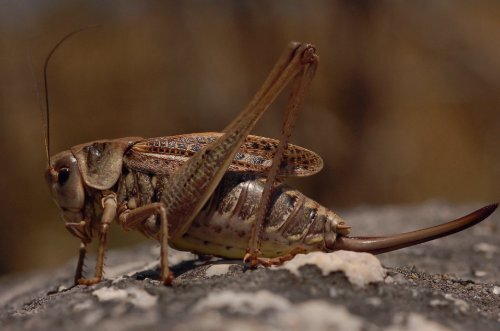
213 193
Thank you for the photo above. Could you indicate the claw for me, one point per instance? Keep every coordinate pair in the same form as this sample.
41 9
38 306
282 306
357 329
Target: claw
168 280
253 259
377 245
88 281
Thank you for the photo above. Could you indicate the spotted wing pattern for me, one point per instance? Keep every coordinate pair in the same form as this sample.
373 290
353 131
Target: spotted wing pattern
164 155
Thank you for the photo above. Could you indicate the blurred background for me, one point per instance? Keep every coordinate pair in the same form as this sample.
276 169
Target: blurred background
405 106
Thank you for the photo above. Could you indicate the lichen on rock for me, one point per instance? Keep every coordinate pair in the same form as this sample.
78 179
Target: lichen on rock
359 268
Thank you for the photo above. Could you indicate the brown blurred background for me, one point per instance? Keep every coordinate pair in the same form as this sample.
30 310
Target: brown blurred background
405 106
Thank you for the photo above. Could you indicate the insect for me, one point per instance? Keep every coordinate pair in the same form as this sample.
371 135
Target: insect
213 193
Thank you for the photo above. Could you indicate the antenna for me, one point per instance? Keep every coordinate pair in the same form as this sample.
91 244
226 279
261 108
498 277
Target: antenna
46 89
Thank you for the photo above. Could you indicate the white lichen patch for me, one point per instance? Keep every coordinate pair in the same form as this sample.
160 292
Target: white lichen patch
317 315
109 293
459 303
214 321
374 301
242 302
438 303
135 296
415 322
488 250
217 270
87 304
359 268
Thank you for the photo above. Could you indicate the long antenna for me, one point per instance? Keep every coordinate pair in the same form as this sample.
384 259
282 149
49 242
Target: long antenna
46 89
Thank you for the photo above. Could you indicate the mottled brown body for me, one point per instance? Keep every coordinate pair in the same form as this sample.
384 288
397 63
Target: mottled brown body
223 225
222 228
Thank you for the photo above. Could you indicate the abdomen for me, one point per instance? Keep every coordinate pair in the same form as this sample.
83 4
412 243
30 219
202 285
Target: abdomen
223 226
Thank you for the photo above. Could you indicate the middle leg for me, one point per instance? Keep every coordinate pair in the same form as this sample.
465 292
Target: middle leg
132 218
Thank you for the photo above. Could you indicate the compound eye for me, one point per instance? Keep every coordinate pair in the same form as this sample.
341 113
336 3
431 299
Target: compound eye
63 176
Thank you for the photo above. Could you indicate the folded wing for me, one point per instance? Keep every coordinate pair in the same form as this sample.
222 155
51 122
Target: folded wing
163 155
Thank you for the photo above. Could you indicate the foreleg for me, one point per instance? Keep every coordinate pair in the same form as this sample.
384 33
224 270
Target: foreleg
108 215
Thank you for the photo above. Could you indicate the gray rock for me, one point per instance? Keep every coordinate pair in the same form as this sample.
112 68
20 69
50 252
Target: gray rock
432 286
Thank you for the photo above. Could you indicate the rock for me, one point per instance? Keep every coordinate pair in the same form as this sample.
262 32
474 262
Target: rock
429 287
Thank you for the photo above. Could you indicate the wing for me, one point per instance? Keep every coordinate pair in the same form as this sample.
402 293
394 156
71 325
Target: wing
164 155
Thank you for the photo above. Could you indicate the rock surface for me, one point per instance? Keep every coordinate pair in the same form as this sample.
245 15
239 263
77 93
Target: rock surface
449 284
